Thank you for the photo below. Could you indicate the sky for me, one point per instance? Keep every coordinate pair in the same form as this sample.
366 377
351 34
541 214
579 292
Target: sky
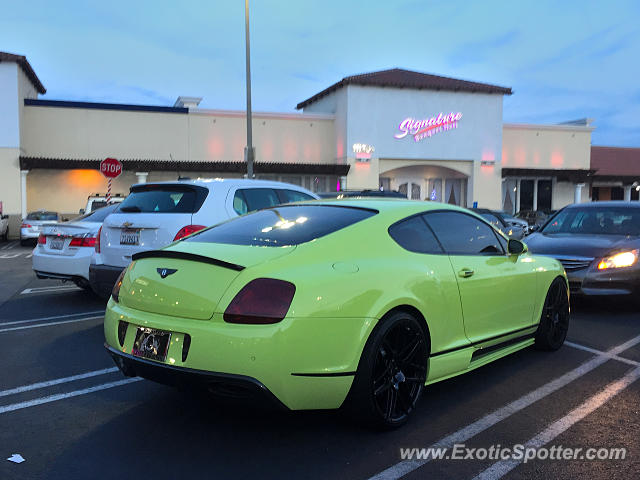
564 59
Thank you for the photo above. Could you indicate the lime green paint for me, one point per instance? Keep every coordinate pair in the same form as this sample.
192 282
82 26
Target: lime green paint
345 282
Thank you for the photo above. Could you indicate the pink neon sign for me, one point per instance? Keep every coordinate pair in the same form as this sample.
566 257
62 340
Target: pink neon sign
428 127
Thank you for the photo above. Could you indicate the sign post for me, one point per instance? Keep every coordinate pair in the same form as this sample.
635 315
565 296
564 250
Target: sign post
110 168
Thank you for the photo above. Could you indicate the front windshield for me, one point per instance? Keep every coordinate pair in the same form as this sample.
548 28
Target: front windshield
596 221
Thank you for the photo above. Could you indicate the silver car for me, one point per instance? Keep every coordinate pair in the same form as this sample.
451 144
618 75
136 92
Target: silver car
33 223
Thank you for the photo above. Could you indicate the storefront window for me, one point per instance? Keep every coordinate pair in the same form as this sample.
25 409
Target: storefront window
415 191
453 191
435 189
403 189
544 195
385 183
526 195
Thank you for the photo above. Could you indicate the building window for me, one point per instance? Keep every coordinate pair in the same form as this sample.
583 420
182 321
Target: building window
435 189
385 183
526 195
544 195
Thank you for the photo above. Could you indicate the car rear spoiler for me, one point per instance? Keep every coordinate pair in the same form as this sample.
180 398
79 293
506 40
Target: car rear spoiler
186 256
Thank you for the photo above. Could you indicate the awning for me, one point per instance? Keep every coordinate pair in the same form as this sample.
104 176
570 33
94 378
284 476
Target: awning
30 163
563 175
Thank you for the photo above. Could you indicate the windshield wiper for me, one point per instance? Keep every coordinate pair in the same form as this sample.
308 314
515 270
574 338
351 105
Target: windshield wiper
130 208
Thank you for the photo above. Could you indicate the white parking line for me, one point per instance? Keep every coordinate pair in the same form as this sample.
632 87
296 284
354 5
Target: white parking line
600 352
404 467
42 319
57 381
501 468
53 288
49 324
62 396
8 246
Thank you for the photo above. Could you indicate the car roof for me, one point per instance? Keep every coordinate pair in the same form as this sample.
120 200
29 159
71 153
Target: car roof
391 205
610 203
228 182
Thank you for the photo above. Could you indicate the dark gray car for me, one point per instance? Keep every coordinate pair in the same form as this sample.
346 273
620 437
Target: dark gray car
597 243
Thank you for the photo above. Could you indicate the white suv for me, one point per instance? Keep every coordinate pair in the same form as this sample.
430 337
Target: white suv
156 214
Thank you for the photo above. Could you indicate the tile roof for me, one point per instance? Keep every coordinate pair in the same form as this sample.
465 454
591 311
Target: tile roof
399 78
26 68
615 161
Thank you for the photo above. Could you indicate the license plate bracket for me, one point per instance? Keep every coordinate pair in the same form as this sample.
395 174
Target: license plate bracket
151 343
130 236
56 243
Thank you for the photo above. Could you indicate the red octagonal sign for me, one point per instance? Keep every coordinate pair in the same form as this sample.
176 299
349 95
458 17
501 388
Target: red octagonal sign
111 167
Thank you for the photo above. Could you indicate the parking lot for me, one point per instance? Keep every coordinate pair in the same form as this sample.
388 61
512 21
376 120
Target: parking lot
69 413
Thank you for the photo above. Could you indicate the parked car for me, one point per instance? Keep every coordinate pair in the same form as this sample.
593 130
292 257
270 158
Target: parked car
156 214
99 200
598 244
362 193
33 223
511 220
64 250
535 218
4 227
295 304
497 219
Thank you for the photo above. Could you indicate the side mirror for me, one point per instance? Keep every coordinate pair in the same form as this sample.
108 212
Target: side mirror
82 211
516 247
534 228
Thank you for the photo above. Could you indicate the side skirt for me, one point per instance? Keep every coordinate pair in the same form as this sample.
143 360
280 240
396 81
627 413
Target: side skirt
465 360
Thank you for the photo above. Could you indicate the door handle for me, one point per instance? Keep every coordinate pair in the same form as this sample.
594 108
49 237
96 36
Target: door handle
465 273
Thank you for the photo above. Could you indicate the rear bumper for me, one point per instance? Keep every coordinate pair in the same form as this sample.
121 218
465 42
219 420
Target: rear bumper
27 234
66 267
306 363
102 278
220 384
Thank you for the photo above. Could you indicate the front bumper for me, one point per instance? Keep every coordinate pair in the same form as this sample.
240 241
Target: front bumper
102 278
306 363
615 281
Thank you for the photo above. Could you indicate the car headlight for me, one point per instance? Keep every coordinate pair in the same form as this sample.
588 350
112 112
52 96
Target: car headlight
619 260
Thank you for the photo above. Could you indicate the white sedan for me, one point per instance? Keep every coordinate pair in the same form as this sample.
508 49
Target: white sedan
64 250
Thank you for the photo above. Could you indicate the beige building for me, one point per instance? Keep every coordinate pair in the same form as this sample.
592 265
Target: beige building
432 138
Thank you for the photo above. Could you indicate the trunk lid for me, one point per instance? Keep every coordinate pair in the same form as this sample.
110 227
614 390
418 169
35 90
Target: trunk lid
124 235
188 279
59 236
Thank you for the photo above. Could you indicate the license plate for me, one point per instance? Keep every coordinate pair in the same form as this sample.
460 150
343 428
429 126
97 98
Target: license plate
152 344
129 236
56 243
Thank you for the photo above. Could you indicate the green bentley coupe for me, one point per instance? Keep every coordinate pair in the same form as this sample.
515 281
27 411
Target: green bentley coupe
355 304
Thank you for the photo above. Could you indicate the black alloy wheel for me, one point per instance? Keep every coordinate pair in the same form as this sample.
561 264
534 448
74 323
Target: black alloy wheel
392 372
554 323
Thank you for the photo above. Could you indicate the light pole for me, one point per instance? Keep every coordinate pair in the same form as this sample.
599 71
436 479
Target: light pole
249 152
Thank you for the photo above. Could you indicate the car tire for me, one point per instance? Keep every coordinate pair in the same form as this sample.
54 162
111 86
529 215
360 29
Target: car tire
391 374
554 322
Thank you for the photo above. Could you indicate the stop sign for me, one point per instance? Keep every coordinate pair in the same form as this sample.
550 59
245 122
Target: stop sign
111 167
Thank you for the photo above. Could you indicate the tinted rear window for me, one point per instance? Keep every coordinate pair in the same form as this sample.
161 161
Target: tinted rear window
42 216
164 199
284 225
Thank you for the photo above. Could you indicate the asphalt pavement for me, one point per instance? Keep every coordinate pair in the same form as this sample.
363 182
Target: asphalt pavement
70 414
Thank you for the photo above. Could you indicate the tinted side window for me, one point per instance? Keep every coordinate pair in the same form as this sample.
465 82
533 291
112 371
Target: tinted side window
289 196
414 235
462 234
259 198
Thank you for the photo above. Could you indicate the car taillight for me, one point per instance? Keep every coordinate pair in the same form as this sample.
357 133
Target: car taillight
261 301
187 230
115 293
97 242
25 225
42 239
83 242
